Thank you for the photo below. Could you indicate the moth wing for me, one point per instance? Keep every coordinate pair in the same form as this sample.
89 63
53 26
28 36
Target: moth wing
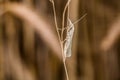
69 51
68 43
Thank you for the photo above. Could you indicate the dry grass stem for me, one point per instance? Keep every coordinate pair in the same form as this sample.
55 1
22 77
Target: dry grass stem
61 40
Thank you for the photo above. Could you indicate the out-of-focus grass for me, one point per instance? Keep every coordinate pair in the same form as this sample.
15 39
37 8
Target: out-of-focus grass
30 49
36 21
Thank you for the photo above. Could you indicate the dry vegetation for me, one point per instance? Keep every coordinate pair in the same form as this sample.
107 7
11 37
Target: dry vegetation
34 34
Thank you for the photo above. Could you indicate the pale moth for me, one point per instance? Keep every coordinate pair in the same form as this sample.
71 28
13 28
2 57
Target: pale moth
70 31
69 37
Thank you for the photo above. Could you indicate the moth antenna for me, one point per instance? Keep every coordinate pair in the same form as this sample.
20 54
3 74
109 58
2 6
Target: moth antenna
63 18
80 19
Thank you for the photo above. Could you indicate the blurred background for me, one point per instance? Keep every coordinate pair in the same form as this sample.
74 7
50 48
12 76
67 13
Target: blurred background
25 54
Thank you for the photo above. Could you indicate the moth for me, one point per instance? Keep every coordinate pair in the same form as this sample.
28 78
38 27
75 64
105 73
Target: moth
70 30
68 39
69 36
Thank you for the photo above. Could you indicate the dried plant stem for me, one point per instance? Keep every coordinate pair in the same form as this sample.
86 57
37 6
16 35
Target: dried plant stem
56 25
66 71
55 19
63 18
60 38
